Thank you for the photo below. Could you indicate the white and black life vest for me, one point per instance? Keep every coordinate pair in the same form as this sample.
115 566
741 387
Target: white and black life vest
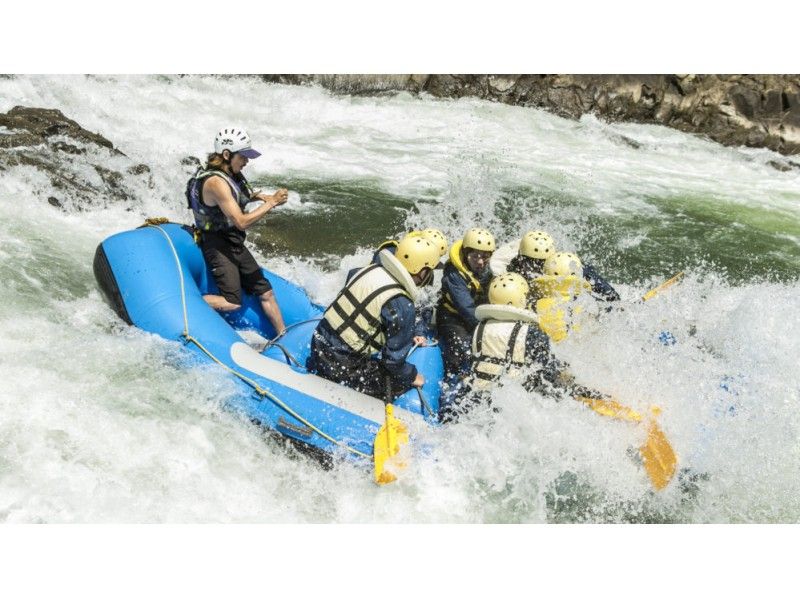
355 314
498 343
212 218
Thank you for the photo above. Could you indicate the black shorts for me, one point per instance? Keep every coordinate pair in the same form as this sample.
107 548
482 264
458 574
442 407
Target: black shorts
234 268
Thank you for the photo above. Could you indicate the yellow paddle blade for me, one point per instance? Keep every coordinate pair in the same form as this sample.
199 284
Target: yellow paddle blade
391 436
659 459
664 285
610 408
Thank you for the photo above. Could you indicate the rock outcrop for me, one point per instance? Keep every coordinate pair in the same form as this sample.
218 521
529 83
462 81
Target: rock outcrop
83 168
750 110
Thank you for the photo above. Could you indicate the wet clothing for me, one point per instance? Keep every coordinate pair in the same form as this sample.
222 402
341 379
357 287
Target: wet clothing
373 313
355 313
454 341
508 343
500 347
600 287
530 269
459 297
527 267
231 263
212 218
233 267
462 291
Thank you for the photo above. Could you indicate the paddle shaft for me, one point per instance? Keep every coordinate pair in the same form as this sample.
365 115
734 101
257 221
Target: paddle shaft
664 285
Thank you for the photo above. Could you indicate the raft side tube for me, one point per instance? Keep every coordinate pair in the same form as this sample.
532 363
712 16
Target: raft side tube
108 284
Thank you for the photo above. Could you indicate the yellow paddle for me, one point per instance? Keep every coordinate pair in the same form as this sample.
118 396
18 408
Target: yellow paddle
392 435
664 285
657 454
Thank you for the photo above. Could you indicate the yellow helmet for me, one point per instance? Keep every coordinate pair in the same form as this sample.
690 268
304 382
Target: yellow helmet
478 238
415 253
563 264
509 289
537 244
435 236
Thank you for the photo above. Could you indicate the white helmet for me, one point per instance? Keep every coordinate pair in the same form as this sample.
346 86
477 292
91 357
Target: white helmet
235 140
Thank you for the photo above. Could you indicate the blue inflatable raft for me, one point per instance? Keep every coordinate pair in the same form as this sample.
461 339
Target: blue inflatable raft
155 277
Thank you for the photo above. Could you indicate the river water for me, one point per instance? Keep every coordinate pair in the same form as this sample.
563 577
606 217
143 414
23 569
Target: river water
100 422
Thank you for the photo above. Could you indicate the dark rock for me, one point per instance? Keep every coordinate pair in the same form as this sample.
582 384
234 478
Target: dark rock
18 139
791 101
111 178
745 100
755 138
782 166
773 103
792 119
192 162
628 141
139 169
729 109
43 123
60 148
68 148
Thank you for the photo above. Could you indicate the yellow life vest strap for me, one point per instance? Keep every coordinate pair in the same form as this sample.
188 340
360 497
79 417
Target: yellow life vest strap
455 257
473 284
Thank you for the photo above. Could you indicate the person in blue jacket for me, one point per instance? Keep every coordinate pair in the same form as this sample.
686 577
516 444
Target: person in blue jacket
601 288
509 344
464 282
375 313
535 247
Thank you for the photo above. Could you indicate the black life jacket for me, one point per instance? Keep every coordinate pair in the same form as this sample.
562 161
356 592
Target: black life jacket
212 218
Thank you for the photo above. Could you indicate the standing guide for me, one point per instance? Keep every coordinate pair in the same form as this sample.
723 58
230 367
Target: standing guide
217 196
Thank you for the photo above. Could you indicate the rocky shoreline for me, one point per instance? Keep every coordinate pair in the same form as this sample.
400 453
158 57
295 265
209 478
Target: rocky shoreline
734 110
49 142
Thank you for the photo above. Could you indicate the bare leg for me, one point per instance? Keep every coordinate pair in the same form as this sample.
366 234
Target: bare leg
270 306
219 303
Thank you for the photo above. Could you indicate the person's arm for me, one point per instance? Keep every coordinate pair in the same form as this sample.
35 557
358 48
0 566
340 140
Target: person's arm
217 192
600 286
550 376
502 257
455 286
397 316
